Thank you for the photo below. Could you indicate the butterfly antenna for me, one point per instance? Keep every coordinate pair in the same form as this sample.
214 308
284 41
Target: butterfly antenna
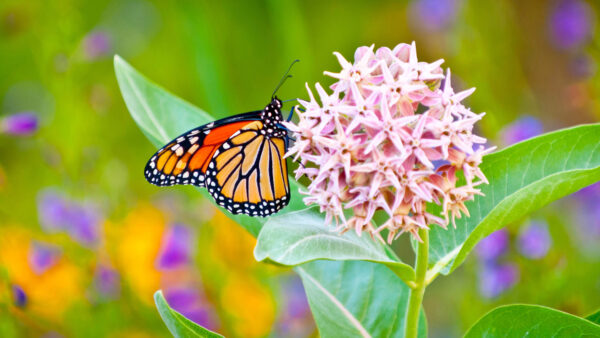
285 77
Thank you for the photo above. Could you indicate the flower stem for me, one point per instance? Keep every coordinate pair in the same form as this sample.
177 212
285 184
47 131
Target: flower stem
416 293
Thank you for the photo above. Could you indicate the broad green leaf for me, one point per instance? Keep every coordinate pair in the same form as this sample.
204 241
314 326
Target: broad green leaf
178 325
163 116
594 317
531 321
523 178
302 236
356 299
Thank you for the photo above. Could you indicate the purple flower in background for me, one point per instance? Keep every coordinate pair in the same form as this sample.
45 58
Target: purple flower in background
534 240
585 212
594 223
22 124
189 302
495 279
522 129
84 224
588 213
296 319
571 24
589 195
297 304
590 222
493 246
19 296
97 44
181 298
176 248
53 211
107 282
80 221
433 15
42 257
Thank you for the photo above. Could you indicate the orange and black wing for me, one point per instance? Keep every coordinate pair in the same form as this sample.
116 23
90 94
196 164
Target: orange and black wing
248 173
185 159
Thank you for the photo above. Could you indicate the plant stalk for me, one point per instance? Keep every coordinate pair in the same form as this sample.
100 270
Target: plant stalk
416 293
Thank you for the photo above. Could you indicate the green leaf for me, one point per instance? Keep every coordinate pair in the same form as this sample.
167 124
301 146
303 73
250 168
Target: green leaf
356 299
531 321
163 116
594 317
302 236
523 178
178 325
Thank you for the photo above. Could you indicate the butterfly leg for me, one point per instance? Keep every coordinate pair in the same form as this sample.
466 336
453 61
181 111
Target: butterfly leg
292 112
289 118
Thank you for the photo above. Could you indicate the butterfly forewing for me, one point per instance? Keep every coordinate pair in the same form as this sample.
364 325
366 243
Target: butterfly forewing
185 159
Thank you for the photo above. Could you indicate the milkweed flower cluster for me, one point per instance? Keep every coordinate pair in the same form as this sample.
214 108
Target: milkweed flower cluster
392 136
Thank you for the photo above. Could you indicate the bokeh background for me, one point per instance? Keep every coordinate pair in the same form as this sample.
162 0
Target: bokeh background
85 241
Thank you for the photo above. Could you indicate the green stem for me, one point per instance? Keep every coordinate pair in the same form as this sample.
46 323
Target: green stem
416 293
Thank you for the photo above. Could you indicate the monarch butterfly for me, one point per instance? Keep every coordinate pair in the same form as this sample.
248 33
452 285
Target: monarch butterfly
239 159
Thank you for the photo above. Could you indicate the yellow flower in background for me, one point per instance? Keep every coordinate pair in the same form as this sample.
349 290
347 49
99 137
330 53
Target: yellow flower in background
48 292
231 243
139 244
249 305
133 333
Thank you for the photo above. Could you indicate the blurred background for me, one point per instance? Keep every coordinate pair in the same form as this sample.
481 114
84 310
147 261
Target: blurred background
85 241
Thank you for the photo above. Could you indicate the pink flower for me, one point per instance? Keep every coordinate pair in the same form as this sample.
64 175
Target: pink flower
389 137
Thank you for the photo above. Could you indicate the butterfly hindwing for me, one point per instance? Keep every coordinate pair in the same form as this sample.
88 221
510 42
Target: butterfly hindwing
248 173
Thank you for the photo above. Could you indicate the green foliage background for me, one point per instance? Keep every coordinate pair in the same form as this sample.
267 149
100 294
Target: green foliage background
226 57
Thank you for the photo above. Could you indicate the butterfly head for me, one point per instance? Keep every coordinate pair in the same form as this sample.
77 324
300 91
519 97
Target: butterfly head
271 118
275 103
271 115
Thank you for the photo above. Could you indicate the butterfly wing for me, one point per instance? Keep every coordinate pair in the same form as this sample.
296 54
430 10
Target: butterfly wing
186 158
248 173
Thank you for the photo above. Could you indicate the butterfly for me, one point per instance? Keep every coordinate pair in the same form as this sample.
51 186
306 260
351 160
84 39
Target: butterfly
239 159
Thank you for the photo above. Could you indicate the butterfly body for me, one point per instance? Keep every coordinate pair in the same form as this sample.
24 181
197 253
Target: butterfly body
239 160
